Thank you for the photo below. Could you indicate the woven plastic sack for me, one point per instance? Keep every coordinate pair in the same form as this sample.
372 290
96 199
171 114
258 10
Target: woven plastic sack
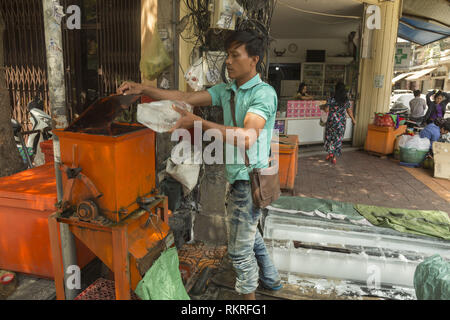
432 279
185 169
154 58
163 280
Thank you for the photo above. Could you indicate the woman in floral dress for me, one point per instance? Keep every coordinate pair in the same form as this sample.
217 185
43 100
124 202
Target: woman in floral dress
338 106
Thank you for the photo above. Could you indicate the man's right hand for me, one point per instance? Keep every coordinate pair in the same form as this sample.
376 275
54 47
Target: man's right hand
129 87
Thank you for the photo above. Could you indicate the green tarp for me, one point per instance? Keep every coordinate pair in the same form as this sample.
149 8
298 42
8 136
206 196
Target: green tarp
311 204
421 222
163 280
432 279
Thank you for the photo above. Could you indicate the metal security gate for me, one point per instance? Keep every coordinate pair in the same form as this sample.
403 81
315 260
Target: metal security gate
25 58
104 53
119 42
97 58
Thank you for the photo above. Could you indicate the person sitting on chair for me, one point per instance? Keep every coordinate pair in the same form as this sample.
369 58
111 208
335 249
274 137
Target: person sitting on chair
301 93
418 107
434 130
445 132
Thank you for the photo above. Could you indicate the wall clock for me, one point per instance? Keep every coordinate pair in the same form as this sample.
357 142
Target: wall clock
292 48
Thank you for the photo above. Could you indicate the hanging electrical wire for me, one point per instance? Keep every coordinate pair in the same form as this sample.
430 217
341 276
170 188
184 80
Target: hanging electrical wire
318 13
257 17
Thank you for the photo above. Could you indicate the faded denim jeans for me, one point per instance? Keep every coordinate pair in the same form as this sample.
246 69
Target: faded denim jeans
246 248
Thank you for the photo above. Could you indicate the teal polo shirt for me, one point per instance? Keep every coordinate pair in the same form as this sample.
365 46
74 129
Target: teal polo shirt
254 96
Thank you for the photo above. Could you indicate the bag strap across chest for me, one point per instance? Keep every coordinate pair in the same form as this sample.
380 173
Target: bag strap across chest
233 115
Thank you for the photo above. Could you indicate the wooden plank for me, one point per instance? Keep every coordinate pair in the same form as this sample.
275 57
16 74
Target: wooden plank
121 264
226 278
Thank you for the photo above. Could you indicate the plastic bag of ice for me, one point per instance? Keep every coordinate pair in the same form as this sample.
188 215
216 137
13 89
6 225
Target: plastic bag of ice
403 140
418 143
159 115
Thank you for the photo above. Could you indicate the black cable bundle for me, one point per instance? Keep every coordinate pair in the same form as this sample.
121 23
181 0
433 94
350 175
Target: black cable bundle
257 17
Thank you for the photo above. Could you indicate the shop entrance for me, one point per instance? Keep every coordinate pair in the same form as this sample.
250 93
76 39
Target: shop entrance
316 43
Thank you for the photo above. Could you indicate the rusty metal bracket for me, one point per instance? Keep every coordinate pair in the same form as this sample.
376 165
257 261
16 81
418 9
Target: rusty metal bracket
72 175
148 204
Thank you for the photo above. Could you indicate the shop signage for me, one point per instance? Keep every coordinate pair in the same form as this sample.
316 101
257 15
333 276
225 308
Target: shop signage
403 55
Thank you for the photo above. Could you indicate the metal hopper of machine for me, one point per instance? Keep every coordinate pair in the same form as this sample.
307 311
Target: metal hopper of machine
110 202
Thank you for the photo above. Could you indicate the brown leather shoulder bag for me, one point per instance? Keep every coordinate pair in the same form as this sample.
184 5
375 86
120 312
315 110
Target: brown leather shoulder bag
265 183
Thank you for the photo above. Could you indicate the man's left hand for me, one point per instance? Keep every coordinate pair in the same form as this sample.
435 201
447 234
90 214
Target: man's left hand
186 121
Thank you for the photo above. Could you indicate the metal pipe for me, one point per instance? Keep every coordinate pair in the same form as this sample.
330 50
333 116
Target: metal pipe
176 43
53 14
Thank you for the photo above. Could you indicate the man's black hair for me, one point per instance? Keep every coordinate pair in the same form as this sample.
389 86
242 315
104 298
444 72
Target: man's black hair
416 93
446 125
439 122
254 44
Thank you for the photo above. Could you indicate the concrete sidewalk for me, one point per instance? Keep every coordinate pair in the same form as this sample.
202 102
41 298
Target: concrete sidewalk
361 178
357 177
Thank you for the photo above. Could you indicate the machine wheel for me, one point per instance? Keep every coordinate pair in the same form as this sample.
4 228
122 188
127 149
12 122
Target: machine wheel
87 210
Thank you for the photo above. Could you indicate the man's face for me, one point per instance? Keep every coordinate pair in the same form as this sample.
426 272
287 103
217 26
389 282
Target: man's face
438 99
238 63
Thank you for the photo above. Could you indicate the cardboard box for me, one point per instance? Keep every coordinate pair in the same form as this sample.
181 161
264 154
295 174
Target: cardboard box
441 153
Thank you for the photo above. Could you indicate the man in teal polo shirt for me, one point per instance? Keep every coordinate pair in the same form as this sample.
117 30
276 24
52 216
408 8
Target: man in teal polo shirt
256 105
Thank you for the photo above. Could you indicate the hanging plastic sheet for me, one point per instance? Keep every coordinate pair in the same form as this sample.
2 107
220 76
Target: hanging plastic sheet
154 58
163 280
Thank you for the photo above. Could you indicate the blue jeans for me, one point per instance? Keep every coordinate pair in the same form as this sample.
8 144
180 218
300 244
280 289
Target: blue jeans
246 248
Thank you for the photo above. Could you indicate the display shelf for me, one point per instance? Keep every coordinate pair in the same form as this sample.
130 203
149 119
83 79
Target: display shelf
333 74
313 76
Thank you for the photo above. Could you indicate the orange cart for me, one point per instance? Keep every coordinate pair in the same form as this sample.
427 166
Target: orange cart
381 140
288 160
27 199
